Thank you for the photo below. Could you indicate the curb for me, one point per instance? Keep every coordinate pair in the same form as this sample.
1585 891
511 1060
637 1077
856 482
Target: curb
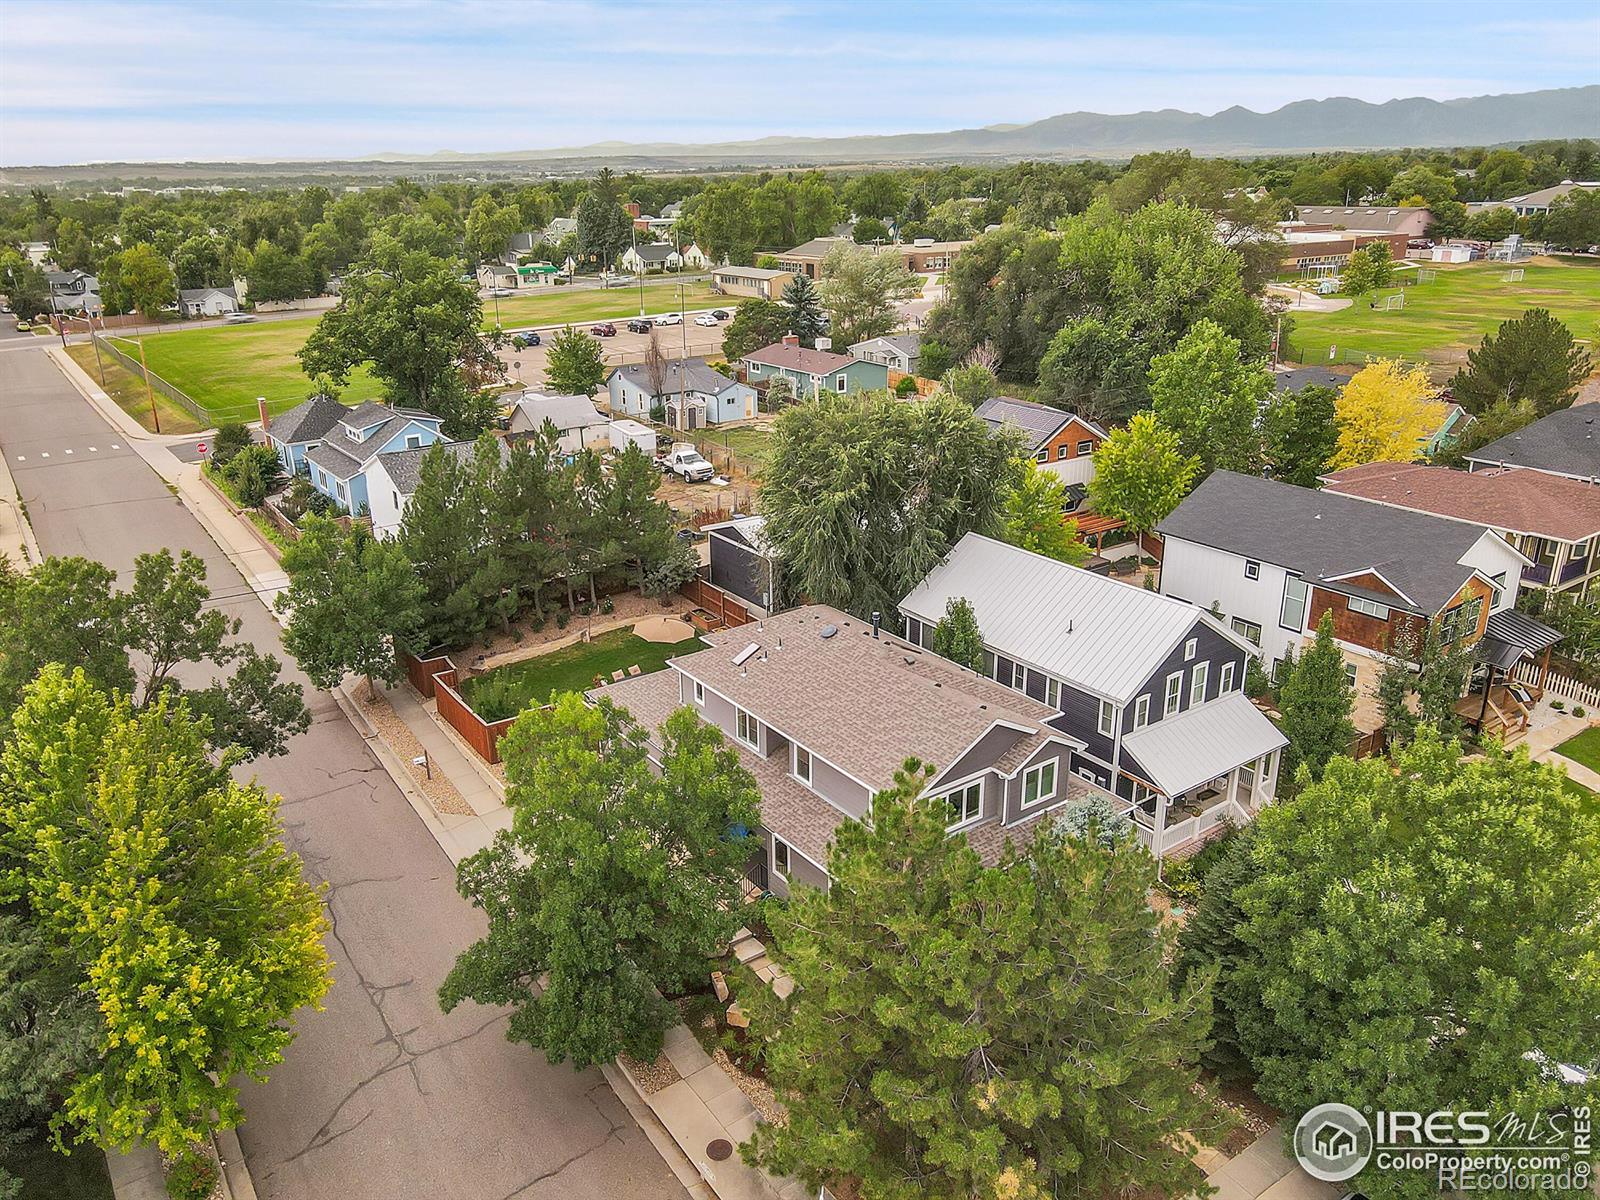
666 1145
11 498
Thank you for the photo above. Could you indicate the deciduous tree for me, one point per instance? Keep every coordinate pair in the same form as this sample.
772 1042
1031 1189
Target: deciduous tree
957 637
575 365
144 280
862 291
755 324
1385 414
1203 392
614 884
1369 268
1035 519
1299 434
353 602
1140 474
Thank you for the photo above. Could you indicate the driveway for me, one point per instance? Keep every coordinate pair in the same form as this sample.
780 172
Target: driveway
381 1096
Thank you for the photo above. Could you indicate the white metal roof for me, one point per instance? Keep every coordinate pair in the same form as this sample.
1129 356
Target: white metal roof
1202 743
1098 634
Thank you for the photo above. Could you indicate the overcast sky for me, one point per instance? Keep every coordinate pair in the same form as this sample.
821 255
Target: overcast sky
96 80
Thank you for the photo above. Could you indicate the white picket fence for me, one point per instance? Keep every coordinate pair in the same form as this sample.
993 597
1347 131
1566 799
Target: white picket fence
1558 685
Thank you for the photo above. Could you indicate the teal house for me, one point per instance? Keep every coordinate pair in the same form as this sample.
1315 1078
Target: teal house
813 372
1456 420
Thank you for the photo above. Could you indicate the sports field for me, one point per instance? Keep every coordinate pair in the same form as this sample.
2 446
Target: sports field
1449 314
223 368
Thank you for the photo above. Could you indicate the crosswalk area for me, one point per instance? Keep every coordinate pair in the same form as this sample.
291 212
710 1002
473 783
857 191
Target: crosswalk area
64 452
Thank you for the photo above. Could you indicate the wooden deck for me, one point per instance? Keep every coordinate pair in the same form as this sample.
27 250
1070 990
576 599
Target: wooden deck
1506 717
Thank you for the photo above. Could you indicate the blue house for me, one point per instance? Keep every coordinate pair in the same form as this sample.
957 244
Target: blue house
300 429
340 462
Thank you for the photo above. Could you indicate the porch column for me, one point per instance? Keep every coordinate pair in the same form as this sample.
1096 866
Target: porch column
1233 786
1160 824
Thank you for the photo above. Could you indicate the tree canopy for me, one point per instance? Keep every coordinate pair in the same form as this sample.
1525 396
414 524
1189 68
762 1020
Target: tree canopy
1141 474
614 883
1035 520
1532 357
1386 413
861 290
1206 394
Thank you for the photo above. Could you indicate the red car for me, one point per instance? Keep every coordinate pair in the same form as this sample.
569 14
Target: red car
604 329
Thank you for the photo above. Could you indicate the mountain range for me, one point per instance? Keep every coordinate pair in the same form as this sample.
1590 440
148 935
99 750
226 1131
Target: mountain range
1338 123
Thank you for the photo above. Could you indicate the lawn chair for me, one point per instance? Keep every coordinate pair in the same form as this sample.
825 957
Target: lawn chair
616 677
634 670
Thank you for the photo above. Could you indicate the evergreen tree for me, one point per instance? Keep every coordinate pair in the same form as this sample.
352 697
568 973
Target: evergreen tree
614 884
1315 697
444 535
957 636
353 602
806 318
959 1031
1210 945
1533 357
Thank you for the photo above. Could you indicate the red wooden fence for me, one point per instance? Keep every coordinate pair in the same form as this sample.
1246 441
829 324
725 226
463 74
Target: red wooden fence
436 679
723 607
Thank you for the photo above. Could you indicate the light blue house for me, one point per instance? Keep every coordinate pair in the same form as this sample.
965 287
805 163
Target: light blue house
304 426
710 397
813 372
339 464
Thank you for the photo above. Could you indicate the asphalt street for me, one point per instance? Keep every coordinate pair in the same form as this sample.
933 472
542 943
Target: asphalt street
381 1096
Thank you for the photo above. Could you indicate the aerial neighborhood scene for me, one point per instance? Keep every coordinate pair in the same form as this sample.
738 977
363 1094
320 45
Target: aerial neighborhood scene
759 602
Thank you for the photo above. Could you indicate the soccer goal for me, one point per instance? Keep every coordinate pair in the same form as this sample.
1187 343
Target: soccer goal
1426 275
1514 276
1390 303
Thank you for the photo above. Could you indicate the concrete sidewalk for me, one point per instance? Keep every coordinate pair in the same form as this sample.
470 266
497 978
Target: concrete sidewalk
1263 1171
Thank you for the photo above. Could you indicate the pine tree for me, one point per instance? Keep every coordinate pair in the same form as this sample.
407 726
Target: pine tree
445 536
1533 357
1315 697
960 1031
806 318
1210 942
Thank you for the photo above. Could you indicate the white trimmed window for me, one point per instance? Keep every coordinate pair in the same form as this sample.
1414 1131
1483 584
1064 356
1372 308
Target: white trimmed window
1370 608
1190 648
964 805
699 692
1248 630
802 765
1350 673
780 856
1293 613
747 727
1197 683
1108 719
1039 784
1141 711
1042 456
1052 692
1063 451
1226 684
1174 694
839 382
1252 569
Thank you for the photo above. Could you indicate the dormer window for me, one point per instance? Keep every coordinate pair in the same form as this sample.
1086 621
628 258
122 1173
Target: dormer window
353 434
413 441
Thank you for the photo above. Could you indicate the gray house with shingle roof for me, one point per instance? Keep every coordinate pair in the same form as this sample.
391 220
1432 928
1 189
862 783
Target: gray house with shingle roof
339 464
1567 443
711 397
393 477
823 709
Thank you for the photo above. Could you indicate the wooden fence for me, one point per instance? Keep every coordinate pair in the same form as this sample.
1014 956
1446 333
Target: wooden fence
1366 745
725 609
436 678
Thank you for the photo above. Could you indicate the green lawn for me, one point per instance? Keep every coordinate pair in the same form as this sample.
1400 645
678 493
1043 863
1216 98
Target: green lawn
1585 749
1447 316
47 1175
129 392
224 368
752 444
553 305
506 691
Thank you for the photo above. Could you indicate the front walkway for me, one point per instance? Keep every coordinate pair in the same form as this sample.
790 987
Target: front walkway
1264 1171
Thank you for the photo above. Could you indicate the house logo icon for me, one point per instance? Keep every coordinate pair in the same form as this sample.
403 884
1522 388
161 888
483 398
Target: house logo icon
1333 1142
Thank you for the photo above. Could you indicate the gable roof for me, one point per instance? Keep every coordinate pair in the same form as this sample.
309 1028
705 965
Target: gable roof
1039 422
862 703
798 358
341 457
1327 538
367 414
1098 634
308 421
566 412
908 344
1520 501
404 467
815 248
697 376
1567 442
201 293
1304 377
655 251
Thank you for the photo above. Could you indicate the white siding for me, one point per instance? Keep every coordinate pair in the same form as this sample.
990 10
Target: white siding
1491 555
1202 576
388 507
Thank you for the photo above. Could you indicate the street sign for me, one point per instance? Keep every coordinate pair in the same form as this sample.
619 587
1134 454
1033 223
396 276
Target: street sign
200 446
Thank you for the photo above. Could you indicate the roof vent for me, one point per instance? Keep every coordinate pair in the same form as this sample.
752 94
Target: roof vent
829 630
739 658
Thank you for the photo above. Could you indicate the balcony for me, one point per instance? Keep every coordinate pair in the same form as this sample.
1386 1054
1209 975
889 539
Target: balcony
1574 570
1538 573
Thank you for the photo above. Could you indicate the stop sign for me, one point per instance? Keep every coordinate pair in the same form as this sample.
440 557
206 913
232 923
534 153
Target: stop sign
200 446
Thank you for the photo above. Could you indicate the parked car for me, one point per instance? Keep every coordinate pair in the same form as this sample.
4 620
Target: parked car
239 318
684 460
530 337
603 329
706 319
24 327
503 292
721 314
670 319
616 281
639 325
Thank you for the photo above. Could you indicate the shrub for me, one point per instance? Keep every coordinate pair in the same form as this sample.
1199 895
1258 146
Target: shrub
1580 711
232 437
1559 705
254 473
906 387
191 1176
607 607
562 617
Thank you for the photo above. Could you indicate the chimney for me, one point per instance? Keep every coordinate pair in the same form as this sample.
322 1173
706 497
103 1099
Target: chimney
261 407
791 339
876 618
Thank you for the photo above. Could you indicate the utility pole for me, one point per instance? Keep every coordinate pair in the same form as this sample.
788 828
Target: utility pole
155 417
95 342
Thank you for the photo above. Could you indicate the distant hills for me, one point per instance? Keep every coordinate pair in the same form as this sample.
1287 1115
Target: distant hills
1338 123
1334 124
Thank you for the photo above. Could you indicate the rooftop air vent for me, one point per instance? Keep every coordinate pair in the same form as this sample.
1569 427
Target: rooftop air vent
739 658
829 630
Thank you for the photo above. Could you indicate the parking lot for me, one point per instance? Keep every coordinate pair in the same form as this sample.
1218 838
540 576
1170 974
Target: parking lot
527 366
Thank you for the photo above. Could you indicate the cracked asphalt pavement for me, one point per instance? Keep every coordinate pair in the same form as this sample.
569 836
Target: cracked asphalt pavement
381 1096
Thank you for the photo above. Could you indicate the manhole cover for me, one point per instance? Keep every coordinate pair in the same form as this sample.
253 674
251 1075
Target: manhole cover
719 1150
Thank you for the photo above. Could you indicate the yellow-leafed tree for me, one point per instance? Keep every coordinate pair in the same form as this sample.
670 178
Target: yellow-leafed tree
1385 414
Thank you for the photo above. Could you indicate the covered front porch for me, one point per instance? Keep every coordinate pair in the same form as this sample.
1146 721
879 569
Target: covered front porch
1496 703
1211 766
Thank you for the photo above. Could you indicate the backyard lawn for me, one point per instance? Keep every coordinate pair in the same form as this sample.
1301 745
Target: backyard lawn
1584 749
48 1175
752 444
1447 316
506 691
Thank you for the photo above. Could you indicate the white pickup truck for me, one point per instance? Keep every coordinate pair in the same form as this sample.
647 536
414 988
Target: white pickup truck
684 460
